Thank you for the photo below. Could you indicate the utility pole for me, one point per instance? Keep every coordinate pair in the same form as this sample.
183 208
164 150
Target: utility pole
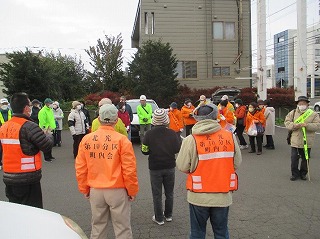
300 82
261 44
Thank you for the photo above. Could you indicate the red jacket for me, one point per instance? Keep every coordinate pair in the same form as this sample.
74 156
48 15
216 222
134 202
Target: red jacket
125 117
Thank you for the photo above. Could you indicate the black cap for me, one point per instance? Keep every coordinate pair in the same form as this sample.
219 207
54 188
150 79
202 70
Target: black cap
35 101
302 98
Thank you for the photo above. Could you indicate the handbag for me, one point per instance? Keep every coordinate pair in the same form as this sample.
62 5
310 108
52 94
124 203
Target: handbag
260 129
252 130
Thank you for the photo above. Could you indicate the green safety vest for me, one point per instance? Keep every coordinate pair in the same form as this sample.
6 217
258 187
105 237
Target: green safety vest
301 119
2 119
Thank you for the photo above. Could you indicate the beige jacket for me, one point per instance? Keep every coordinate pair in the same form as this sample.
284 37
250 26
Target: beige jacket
187 161
313 124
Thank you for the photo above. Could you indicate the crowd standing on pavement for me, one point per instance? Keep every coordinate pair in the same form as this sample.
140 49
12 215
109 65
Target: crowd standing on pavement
105 163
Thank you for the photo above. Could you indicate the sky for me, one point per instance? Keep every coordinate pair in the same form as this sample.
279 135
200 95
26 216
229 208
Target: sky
70 26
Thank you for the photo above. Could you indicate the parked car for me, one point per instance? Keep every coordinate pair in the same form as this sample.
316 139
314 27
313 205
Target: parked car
20 221
232 94
135 126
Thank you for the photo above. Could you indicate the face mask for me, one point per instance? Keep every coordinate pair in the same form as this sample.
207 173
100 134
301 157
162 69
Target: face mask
55 107
78 107
251 110
4 107
236 105
81 106
189 104
302 107
171 109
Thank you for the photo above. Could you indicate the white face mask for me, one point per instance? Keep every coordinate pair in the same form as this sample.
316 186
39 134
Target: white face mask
236 105
78 107
302 107
4 107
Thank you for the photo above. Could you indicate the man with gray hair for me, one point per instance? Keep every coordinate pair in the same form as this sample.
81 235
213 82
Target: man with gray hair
106 172
210 157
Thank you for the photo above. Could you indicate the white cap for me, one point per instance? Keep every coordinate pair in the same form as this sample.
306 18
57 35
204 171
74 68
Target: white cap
108 113
225 97
4 100
143 97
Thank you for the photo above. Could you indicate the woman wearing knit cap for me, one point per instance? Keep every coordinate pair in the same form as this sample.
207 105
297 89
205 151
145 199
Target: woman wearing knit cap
161 144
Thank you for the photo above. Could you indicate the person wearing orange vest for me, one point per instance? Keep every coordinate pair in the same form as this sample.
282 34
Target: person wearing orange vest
176 120
210 157
106 172
225 116
255 116
21 142
5 115
187 114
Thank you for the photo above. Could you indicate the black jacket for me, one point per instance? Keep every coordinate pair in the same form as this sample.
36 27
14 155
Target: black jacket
34 114
163 144
32 140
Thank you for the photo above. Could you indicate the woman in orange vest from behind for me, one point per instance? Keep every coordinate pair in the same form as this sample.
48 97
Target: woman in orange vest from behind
255 116
176 120
225 115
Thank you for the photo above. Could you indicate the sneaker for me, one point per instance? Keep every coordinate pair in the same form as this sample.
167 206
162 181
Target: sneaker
154 219
168 219
48 160
244 146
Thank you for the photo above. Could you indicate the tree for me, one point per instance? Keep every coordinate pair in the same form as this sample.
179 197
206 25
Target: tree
153 71
55 76
107 60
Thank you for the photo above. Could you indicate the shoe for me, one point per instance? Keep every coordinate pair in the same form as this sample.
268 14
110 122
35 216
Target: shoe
270 147
251 151
259 153
0 168
293 178
59 145
266 146
168 219
52 158
48 160
303 177
154 219
244 146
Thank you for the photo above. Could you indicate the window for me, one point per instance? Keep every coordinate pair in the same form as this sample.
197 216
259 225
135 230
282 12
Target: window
221 71
218 30
187 69
146 24
317 40
229 30
152 23
224 30
269 73
280 39
317 52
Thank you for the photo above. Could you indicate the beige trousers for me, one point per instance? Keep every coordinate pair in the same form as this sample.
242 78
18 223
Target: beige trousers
111 204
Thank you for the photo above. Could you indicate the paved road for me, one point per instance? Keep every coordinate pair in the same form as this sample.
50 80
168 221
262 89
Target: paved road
267 204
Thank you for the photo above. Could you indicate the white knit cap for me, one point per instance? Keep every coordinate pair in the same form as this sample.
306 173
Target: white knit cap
160 117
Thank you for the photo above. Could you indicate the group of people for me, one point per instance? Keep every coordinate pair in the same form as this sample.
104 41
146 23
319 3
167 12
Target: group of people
105 162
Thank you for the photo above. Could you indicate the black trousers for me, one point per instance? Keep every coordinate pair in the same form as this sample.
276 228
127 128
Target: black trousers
188 129
29 194
239 131
259 142
57 137
47 155
76 141
296 154
270 142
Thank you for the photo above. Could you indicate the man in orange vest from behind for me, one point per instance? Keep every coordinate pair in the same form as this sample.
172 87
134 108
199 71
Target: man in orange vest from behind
107 175
210 157
21 142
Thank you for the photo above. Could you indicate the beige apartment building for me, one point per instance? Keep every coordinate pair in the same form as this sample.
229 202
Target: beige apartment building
211 38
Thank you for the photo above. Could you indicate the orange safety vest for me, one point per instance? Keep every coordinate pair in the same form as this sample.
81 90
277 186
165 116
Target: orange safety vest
215 171
14 160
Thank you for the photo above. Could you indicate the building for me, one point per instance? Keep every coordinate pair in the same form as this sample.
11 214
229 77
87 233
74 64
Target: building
211 39
271 82
285 61
284 57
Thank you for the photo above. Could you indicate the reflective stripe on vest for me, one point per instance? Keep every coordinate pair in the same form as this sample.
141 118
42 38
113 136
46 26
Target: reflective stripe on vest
14 160
215 171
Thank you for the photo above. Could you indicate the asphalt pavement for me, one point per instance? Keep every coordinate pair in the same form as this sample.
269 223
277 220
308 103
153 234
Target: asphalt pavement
267 204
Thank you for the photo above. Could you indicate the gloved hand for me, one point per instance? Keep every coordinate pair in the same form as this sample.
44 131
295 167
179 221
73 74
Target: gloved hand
145 120
222 117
